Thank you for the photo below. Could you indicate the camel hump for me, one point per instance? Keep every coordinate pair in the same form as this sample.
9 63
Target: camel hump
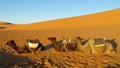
99 41
33 41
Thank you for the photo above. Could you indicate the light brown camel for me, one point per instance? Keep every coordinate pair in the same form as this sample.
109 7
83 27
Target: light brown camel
101 45
94 46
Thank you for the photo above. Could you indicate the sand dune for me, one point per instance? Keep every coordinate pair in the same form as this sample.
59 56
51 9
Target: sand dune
4 25
92 20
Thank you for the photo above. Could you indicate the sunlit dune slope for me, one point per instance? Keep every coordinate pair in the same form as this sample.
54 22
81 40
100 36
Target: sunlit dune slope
111 17
4 23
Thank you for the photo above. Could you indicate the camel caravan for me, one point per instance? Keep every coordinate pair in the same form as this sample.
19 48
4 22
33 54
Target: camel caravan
91 45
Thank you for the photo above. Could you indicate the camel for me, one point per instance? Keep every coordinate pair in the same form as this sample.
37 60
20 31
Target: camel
58 46
34 45
64 45
94 45
101 45
16 48
30 46
69 44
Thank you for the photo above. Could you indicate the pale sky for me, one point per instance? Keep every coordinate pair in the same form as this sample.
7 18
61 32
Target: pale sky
29 11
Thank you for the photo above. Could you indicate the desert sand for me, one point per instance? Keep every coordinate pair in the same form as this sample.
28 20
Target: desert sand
104 24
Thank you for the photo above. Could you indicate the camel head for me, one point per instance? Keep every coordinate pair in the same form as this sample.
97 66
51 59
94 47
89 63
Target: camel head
75 39
52 39
79 38
12 43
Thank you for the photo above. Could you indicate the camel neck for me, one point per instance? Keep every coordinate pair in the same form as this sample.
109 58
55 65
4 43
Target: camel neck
15 46
79 42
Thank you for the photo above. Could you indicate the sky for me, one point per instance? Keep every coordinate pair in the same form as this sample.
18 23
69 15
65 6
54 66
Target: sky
29 11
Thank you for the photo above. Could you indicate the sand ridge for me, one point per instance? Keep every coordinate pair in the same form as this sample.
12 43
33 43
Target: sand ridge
92 20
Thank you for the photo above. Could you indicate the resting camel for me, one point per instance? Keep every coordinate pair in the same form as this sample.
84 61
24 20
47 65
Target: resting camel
34 45
16 48
59 46
64 45
69 44
30 46
94 46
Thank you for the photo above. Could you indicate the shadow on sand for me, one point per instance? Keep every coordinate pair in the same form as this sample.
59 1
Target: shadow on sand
49 46
8 60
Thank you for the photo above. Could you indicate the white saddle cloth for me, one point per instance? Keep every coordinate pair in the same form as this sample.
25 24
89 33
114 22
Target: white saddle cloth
33 45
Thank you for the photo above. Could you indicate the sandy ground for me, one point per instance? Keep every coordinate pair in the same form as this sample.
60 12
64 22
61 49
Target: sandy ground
105 24
52 58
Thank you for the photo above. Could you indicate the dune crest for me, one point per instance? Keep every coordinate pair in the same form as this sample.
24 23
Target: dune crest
5 23
92 20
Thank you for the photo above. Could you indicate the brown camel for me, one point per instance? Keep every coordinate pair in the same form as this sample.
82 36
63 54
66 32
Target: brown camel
66 44
57 45
16 48
101 45
30 46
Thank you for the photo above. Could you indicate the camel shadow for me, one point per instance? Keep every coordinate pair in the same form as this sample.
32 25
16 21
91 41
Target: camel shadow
8 60
49 46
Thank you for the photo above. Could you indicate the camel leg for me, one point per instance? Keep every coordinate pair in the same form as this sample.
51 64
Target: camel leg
79 46
29 49
91 44
64 48
39 49
92 48
108 48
